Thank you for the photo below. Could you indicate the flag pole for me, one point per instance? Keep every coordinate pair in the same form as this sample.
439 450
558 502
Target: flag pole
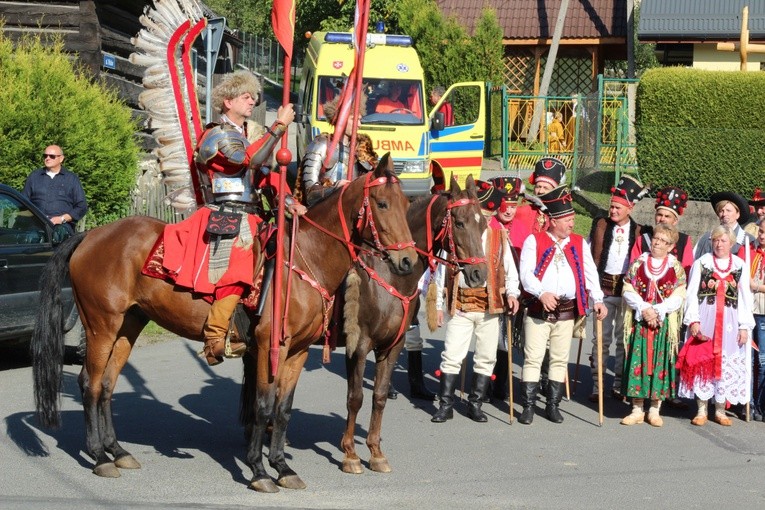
361 47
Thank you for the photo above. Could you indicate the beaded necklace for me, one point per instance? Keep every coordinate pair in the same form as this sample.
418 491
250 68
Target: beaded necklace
659 270
719 269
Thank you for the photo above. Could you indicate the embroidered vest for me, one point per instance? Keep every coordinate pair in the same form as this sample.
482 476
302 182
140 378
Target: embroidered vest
573 253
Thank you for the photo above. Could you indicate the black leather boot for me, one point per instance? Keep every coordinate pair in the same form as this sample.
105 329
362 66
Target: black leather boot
554 395
499 388
528 399
446 398
475 399
543 370
417 388
392 393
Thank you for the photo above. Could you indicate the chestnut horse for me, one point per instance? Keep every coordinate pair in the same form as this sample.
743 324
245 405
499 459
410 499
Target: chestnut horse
451 222
116 301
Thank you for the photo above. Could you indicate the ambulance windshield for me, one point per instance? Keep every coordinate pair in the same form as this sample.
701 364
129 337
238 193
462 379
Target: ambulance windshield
393 102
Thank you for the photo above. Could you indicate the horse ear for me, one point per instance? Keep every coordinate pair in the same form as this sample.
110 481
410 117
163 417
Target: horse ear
470 185
385 165
454 186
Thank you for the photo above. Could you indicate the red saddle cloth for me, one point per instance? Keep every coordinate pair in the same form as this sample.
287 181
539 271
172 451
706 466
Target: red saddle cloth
154 268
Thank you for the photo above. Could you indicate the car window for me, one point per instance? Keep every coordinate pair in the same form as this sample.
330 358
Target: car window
19 225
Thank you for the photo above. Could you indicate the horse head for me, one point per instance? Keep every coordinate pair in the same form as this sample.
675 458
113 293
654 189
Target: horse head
382 216
468 225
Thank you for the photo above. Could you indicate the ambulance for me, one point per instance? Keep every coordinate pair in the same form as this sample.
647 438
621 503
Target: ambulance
426 152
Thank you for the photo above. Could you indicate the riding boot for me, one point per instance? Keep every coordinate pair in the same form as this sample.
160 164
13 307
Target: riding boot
554 395
475 399
392 392
499 385
528 399
543 370
216 328
446 398
417 388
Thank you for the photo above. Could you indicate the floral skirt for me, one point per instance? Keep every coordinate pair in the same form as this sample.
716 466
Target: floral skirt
655 380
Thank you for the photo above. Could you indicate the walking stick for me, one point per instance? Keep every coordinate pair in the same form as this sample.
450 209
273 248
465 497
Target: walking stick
462 380
599 335
578 357
510 363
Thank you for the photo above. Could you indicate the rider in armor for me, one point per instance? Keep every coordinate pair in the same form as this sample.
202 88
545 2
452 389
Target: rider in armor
203 251
319 181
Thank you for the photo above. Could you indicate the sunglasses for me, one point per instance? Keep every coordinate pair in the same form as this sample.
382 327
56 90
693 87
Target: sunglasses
51 156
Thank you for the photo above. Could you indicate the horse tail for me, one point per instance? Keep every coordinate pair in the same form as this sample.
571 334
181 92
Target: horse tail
47 345
248 393
351 312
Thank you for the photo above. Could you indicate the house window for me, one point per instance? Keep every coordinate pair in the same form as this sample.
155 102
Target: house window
675 54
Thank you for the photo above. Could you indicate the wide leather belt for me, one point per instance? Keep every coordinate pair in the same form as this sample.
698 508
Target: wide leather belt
612 284
472 300
565 311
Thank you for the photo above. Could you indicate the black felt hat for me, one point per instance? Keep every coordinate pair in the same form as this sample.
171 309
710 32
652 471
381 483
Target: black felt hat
628 190
558 202
673 199
489 197
735 199
511 186
551 170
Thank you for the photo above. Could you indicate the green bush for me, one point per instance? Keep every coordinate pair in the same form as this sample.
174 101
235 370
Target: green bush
45 99
701 130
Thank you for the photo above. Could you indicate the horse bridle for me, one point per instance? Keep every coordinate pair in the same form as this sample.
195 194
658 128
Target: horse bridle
446 236
364 218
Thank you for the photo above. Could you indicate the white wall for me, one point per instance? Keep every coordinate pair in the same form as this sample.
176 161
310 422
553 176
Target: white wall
706 56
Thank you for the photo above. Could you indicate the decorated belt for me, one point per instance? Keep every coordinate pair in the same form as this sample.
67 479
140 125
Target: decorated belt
612 284
565 311
472 300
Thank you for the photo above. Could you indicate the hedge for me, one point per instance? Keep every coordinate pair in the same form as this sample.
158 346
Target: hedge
701 130
46 99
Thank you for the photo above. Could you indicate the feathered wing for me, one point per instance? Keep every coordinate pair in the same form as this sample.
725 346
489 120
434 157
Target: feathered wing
164 47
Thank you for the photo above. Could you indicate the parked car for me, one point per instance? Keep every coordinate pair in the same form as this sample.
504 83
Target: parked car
27 240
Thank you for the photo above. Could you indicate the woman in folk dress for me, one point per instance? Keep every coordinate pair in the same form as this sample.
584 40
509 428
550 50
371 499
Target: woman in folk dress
716 359
654 291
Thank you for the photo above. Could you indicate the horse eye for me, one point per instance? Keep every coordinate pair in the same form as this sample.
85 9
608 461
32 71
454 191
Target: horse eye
382 205
459 224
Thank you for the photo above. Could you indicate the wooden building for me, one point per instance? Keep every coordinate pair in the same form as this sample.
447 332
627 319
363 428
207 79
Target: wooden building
594 31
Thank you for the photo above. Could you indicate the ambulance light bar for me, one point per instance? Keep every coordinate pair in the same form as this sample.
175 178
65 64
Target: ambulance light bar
377 39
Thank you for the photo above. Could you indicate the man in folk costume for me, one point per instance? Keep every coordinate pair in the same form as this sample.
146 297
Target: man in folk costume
758 204
221 267
504 217
670 205
548 173
559 277
476 311
611 240
733 212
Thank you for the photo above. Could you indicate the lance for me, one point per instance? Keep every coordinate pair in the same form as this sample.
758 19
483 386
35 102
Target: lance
283 158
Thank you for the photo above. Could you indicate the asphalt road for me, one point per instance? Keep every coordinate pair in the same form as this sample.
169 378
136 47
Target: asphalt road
179 419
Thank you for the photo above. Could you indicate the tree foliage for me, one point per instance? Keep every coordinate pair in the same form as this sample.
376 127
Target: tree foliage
45 99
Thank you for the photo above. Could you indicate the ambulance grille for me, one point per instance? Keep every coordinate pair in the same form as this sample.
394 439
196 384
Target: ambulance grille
398 167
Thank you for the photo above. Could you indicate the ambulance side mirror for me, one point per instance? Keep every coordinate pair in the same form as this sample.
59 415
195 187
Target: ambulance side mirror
437 124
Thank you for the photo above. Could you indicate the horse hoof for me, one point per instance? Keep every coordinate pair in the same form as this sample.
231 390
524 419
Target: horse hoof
291 482
352 466
127 462
264 485
106 470
379 465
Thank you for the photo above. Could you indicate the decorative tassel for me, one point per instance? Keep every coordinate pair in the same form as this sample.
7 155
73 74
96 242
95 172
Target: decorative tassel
430 306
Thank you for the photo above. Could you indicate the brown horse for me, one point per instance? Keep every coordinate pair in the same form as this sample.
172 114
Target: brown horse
116 301
451 222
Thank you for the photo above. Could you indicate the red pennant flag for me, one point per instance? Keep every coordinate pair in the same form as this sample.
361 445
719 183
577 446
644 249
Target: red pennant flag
283 20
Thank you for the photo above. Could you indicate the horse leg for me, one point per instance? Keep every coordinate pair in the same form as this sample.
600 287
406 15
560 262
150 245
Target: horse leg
287 379
354 366
119 357
91 387
383 372
263 402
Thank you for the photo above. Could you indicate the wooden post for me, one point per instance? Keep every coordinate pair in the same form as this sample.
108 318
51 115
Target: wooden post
744 47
